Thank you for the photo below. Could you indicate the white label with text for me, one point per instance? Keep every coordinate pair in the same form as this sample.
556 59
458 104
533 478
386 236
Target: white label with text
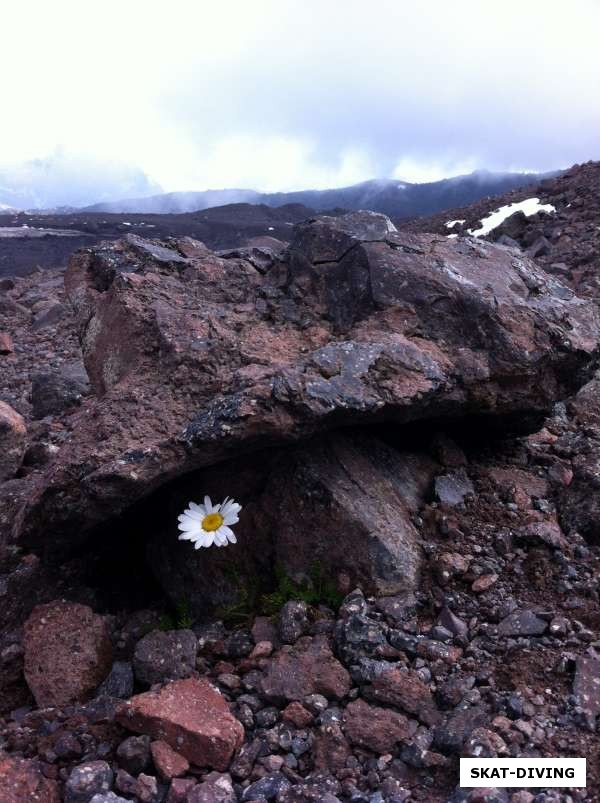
522 772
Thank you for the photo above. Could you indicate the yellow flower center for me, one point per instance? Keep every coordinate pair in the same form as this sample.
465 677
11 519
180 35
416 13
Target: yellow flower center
212 522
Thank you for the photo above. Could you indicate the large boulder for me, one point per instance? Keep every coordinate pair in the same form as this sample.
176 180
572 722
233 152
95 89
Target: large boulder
195 358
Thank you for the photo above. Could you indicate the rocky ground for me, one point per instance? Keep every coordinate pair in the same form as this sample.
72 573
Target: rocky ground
417 416
46 240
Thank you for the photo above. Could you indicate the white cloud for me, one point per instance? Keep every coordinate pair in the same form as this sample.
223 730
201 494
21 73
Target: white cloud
295 94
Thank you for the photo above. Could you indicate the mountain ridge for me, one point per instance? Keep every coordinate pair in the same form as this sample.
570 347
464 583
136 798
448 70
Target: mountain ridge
396 198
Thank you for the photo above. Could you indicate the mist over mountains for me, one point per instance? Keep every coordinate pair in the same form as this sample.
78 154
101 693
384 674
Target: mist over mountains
63 179
392 197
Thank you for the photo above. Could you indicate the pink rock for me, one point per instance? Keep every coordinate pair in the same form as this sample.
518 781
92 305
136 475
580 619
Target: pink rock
484 582
191 716
13 434
22 782
169 764
6 343
68 653
179 789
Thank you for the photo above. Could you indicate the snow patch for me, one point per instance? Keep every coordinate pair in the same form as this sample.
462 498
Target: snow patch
530 206
451 236
452 223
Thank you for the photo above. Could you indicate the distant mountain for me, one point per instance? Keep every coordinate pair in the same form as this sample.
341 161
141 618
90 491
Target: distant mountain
69 181
399 199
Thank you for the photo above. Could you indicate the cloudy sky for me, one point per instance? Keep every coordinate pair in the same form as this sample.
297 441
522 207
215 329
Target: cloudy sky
286 94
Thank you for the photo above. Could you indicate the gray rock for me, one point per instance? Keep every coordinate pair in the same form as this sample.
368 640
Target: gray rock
109 797
216 788
87 780
450 736
522 623
133 754
586 685
119 682
293 621
451 489
268 787
161 656
53 392
453 623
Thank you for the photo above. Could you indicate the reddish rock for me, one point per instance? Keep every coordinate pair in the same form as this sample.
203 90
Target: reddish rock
404 689
68 653
6 343
330 750
22 782
169 764
309 667
297 715
378 729
13 434
483 583
191 716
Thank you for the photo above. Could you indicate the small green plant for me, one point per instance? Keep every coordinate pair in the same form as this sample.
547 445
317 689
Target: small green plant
315 590
182 620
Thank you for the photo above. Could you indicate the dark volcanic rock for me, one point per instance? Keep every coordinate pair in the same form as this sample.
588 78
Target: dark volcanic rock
161 656
54 392
359 487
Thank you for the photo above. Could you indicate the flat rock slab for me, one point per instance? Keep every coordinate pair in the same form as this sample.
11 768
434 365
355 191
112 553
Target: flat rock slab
191 716
68 653
522 623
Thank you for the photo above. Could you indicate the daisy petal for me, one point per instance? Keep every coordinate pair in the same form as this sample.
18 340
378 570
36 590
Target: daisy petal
228 533
231 518
197 508
189 526
208 505
191 514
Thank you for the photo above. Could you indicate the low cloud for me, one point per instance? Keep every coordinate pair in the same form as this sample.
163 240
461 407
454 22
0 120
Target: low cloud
278 96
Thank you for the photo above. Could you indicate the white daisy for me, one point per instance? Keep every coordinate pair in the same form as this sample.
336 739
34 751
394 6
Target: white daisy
208 524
